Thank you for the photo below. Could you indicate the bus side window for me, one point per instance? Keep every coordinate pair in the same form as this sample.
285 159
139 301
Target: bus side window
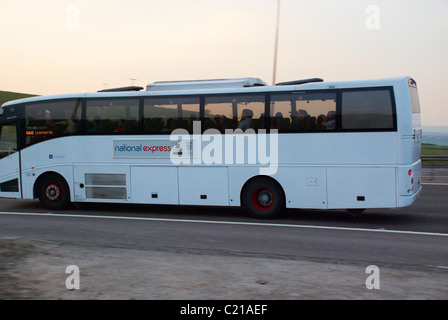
367 109
112 116
163 115
303 112
235 112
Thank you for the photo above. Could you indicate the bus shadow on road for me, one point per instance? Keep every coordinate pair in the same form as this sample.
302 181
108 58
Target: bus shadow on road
371 218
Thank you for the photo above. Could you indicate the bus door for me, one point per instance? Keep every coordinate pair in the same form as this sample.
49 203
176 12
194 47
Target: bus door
10 186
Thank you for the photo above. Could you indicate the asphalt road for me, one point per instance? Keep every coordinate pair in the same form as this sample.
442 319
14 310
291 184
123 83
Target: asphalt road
413 239
435 174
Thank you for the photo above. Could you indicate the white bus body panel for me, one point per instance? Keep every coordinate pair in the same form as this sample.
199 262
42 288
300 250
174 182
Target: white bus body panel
204 185
368 148
154 185
360 188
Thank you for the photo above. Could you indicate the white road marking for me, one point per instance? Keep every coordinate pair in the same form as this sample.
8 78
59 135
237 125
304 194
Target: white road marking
260 224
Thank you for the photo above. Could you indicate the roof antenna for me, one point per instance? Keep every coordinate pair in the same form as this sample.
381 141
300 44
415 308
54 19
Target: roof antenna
276 43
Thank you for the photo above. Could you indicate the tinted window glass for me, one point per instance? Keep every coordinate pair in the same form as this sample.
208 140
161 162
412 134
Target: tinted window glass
112 116
367 109
52 119
303 112
163 115
235 112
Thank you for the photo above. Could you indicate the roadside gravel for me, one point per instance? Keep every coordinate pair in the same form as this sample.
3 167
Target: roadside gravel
33 269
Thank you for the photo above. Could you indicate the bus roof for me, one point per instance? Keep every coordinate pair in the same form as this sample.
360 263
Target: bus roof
221 86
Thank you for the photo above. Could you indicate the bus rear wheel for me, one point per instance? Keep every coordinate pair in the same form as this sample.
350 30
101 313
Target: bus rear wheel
263 199
53 192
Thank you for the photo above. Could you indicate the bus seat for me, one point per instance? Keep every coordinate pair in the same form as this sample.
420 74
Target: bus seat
130 126
106 126
283 123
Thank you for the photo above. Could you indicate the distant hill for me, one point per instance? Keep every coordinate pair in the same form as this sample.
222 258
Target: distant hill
8 96
435 135
435 129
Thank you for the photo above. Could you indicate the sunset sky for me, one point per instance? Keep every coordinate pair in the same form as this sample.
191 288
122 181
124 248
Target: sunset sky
68 46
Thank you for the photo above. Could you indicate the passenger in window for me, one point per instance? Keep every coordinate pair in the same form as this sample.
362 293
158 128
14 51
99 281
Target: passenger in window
261 122
119 129
246 119
278 115
225 123
168 127
72 128
309 123
294 120
320 122
217 122
209 123
330 122
298 120
48 119
96 124
276 120
130 126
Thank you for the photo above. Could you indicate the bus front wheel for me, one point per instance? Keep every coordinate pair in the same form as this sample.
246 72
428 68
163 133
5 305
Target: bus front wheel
53 192
263 199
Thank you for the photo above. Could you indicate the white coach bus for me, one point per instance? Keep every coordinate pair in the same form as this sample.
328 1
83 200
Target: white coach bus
237 142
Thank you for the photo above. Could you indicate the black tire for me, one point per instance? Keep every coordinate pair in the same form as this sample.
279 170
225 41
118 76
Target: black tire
53 192
263 199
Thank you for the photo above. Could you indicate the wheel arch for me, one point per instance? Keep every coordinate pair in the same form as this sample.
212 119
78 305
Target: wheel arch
42 176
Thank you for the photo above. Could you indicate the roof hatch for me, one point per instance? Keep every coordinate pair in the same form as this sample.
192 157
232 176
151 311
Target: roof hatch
205 84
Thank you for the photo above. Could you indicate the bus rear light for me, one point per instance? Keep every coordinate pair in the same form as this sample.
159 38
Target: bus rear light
412 181
410 172
411 82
